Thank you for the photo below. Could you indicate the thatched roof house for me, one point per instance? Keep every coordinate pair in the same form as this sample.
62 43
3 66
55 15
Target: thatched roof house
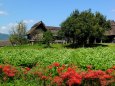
36 31
111 33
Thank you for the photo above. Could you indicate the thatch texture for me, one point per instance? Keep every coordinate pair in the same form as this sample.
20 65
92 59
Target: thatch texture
35 26
112 31
36 32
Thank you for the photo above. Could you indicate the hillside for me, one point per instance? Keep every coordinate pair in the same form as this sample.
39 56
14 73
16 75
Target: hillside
3 36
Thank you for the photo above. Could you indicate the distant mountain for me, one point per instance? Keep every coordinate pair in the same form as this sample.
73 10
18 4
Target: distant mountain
4 36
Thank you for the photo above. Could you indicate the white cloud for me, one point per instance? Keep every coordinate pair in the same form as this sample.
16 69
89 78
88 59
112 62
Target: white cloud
29 21
6 29
3 13
113 10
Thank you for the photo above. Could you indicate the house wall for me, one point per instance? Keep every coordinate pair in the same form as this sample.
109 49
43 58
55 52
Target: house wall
37 35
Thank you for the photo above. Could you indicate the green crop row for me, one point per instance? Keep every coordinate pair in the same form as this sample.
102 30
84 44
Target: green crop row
100 57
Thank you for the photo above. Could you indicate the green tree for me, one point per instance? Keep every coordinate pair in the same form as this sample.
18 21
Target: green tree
101 24
18 34
47 37
81 26
70 28
61 34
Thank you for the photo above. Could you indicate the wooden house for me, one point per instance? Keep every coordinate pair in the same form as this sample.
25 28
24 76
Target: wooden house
35 34
111 33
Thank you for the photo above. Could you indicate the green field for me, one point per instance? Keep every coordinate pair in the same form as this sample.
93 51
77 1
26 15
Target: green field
26 55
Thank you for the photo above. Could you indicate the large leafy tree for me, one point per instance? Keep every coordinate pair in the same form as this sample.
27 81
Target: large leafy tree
47 37
80 27
69 26
18 34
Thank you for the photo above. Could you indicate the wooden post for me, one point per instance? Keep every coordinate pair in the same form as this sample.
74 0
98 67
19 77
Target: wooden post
113 40
32 42
101 41
95 41
88 40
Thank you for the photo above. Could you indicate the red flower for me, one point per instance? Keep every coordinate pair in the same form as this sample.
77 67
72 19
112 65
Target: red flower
0 66
56 64
11 74
58 80
74 81
109 71
25 72
50 67
44 77
27 68
60 69
39 74
6 68
63 66
69 69
64 75
89 67
113 67
94 74
9 71
100 72
71 76
107 76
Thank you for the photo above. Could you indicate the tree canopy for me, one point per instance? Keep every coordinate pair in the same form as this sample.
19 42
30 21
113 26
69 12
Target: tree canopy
80 27
47 37
18 34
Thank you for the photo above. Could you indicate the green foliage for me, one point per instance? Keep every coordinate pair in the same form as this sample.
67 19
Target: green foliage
61 34
18 34
99 58
47 37
79 27
28 56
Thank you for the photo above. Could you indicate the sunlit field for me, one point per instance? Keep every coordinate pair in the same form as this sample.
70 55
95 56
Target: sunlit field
38 66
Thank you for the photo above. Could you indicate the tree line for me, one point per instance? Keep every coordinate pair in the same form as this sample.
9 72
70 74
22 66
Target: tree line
18 35
79 28
84 27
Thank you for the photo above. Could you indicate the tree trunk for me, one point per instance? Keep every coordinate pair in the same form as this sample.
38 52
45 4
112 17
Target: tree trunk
73 40
95 41
101 41
88 40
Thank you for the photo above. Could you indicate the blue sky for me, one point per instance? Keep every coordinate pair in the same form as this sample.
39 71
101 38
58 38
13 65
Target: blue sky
51 12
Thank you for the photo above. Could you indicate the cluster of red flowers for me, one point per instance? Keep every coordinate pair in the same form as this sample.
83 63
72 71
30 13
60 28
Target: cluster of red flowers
9 71
97 74
60 74
26 69
69 76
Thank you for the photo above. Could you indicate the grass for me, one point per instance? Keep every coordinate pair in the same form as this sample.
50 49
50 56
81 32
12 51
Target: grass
35 46
26 55
100 57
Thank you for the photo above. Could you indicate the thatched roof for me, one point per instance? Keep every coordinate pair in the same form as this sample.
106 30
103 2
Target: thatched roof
112 31
53 29
35 26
